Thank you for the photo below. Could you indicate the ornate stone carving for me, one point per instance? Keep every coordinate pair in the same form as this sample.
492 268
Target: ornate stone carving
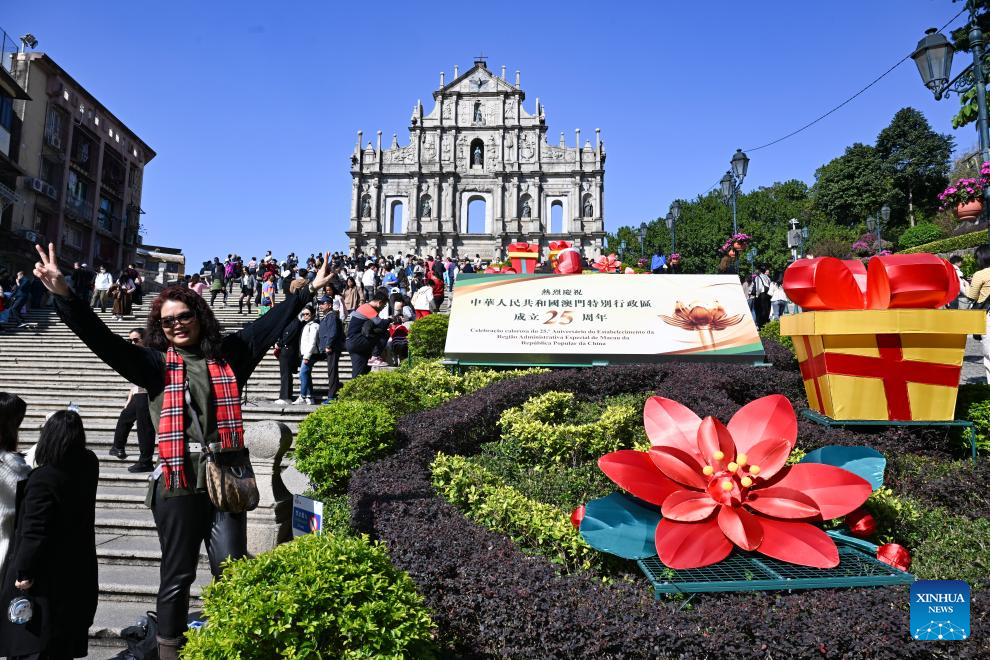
527 148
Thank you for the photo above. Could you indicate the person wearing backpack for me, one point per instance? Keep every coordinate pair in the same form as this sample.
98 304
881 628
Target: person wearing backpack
366 332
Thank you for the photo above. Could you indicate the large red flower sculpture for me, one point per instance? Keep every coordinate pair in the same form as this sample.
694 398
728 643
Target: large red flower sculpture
721 486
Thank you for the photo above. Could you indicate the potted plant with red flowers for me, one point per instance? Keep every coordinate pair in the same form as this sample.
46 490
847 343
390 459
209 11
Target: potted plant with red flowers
964 197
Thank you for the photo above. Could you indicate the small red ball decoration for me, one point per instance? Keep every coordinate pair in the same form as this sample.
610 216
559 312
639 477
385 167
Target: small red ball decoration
577 515
894 554
861 524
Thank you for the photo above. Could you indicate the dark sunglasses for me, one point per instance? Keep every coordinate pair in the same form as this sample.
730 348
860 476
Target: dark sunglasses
181 319
134 341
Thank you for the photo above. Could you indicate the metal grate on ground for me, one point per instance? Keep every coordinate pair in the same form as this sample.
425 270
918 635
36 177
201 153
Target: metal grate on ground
750 571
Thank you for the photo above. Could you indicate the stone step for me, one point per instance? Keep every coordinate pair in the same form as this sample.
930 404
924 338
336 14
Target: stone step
136 521
125 550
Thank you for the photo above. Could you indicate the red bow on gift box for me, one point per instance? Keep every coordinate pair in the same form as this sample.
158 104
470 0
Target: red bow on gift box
498 270
897 281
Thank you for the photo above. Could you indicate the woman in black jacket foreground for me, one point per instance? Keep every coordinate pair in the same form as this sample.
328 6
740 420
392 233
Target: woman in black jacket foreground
193 375
53 558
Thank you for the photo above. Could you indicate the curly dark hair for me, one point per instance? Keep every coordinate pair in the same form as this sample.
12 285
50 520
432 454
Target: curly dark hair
211 332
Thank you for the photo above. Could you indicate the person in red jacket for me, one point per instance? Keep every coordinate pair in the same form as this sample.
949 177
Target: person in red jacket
438 289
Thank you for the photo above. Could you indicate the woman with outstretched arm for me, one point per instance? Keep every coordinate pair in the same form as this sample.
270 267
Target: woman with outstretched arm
193 375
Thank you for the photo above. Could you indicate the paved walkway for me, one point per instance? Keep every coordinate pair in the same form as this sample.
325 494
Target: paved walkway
973 371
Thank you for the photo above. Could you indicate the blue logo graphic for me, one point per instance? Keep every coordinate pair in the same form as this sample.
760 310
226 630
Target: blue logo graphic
939 609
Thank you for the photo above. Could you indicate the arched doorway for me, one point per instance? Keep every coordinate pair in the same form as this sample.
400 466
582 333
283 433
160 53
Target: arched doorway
556 217
476 212
395 218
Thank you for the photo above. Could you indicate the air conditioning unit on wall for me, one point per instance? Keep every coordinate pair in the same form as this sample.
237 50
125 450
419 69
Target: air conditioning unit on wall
51 191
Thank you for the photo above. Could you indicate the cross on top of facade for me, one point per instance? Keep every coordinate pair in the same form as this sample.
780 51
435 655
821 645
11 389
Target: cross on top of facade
482 61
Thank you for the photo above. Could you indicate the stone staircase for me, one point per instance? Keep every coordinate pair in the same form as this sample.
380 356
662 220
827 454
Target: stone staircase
49 367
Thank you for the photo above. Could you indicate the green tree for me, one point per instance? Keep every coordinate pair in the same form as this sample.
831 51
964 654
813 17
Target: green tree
916 160
851 187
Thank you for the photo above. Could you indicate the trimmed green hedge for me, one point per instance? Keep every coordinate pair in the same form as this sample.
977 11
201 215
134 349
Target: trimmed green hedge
536 527
943 545
973 403
548 428
338 437
428 336
920 234
962 242
320 596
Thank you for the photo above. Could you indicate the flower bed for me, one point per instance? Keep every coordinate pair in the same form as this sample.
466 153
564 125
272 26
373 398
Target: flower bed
489 598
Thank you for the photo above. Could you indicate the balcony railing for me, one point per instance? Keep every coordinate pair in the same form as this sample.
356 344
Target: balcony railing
80 208
8 48
108 223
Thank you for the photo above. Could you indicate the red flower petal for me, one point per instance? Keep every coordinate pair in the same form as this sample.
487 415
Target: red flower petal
741 527
798 543
691 545
769 417
679 466
688 506
671 424
713 436
635 473
782 503
834 490
770 455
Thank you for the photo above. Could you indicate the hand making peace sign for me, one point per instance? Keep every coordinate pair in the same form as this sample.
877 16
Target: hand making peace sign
47 271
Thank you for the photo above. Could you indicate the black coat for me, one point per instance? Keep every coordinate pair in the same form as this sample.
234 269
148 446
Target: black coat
55 546
331 333
288 344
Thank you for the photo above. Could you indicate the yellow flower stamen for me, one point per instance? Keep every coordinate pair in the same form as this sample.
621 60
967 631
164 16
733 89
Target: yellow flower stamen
732 467
708 470
746 482
718 455
741 459
726 485
754 470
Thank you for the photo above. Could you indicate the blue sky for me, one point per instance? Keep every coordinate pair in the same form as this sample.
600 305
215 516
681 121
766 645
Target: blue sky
253 107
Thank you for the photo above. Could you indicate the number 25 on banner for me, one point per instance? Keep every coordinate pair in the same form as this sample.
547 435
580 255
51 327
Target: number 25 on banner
559 318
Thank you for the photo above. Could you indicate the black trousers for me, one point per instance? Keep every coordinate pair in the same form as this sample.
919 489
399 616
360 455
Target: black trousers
333 373
184 523
136 410
288 364
214 294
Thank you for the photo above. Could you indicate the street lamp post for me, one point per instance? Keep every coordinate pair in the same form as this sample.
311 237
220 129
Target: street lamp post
673 215
933 56
622 249
795 238
732 182
642 239
876 223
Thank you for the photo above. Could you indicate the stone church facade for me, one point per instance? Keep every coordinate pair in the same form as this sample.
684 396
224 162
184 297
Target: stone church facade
479 149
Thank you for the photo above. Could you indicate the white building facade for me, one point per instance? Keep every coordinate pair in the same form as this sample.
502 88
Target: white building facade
477 175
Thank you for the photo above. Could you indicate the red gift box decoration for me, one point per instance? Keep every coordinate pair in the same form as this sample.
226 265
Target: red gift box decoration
556 247
897 281
524 257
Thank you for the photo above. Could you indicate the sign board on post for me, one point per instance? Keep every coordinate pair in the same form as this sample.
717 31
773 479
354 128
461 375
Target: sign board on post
588 319
307 516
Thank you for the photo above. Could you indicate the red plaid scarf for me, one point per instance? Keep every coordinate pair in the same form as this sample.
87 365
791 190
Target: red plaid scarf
171 427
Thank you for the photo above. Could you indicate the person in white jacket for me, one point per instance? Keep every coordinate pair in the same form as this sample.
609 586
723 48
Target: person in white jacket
13 468
778 299
101 290
308 340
